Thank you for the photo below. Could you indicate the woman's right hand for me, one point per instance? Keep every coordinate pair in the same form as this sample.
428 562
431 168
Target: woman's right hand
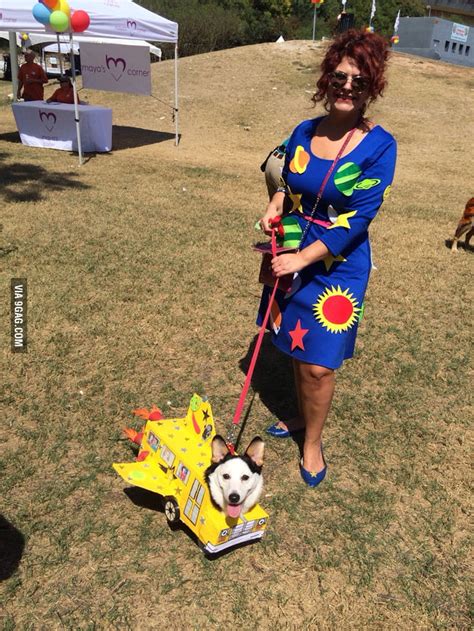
274 209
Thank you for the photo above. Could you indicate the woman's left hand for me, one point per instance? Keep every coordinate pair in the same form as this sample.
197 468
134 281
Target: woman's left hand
287 264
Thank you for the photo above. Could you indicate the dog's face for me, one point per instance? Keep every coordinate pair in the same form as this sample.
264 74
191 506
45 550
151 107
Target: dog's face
235 482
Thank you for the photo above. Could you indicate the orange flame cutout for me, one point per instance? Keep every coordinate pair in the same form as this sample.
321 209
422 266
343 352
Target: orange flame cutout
134 436
154 414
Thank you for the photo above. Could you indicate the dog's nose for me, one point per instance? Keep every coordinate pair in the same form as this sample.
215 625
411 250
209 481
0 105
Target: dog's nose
234 498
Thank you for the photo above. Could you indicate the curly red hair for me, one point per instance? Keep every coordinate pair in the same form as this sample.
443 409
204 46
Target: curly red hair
370 53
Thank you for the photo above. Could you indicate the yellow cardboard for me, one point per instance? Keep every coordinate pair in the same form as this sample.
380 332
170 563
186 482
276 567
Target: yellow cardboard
173 457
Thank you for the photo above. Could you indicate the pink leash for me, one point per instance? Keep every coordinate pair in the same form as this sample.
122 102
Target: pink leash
253 361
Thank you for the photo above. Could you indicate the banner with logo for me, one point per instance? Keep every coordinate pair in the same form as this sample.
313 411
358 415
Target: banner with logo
460 32
116 68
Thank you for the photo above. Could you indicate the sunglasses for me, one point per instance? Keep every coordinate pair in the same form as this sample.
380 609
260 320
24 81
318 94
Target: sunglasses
338 79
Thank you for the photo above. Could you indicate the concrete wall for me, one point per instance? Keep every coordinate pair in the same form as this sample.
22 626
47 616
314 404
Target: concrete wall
437 39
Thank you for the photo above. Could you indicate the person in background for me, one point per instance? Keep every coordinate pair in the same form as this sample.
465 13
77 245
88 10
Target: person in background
31 79
339 169
65 92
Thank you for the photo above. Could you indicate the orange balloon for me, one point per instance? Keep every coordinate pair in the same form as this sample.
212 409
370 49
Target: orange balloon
51 4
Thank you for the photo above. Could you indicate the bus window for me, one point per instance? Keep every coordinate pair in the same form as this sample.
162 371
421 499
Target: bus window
193 505
182 473
167 455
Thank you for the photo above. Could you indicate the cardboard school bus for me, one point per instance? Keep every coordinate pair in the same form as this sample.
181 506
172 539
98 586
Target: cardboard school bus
173 457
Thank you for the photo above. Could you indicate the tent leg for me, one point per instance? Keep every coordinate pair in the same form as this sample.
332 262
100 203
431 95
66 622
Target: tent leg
176 112
61 69
76 101
14 63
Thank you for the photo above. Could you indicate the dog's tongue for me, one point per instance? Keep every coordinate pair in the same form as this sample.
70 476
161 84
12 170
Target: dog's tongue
233 510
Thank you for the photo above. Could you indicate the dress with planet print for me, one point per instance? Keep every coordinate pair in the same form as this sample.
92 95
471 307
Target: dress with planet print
316 321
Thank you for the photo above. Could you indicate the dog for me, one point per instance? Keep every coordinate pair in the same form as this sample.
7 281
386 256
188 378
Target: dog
235 482
465 225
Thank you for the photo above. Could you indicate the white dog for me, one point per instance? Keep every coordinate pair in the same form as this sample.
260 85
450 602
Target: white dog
235 482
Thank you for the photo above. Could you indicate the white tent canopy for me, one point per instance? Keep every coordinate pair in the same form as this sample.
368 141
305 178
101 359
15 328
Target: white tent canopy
109 18
66 46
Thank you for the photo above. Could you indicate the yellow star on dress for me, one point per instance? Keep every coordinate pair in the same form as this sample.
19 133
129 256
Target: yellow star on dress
342 220
329 260
295 202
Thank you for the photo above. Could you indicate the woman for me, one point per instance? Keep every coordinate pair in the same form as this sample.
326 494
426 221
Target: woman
65 92
316 323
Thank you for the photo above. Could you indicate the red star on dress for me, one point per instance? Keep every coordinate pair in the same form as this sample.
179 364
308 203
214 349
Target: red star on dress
297 336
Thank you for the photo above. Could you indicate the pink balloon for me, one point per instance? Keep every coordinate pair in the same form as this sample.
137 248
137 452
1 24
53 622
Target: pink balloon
80 20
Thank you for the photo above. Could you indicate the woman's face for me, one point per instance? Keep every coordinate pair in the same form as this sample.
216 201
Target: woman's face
348 88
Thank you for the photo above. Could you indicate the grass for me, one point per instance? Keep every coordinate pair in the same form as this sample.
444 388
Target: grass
142 289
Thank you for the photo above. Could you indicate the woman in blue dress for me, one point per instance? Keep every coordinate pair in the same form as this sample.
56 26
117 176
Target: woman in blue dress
316 322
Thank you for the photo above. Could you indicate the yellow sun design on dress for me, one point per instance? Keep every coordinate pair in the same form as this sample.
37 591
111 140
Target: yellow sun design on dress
336 309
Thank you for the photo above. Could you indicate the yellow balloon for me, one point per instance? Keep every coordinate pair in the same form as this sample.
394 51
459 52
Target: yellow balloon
63 6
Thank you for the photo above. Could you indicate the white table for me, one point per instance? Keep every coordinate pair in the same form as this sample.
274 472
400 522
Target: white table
52 125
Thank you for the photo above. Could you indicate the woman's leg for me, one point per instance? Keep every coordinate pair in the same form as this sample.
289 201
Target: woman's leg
315 389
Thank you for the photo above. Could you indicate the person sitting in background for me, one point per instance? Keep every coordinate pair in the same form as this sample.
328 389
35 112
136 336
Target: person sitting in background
65 92
31 78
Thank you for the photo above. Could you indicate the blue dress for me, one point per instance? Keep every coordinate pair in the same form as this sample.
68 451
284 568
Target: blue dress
316 322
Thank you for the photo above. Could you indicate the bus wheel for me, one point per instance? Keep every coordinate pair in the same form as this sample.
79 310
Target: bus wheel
171 510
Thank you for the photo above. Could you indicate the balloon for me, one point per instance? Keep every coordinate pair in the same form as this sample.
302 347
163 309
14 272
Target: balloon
41 13
51 4
63 6
24 37
395 39
59 21
80 20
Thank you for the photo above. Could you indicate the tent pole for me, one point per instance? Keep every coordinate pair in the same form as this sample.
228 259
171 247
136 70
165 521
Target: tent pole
76 100
176 141
59 55
13 63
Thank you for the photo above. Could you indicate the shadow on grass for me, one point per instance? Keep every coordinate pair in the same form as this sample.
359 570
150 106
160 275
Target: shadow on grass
124 137
462 245
272 379
12 543
154 502
11 136
26 182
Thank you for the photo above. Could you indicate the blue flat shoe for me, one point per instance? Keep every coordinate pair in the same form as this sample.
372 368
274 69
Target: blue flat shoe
310 478
278 432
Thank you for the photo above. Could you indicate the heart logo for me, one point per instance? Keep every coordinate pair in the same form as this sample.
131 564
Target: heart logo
116 66
131 24
48 119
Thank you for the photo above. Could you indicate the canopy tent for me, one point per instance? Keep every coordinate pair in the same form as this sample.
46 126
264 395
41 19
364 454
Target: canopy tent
108 19
65 47
117 18
35 39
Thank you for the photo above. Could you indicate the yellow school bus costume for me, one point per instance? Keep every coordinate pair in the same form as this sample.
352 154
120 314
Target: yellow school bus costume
172 459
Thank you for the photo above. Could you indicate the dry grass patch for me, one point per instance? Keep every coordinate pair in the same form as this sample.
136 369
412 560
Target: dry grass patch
142 289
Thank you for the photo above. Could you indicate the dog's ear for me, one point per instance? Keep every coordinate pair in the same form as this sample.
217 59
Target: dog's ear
255 450
219 448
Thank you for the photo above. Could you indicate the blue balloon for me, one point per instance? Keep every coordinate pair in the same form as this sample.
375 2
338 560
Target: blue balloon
41 13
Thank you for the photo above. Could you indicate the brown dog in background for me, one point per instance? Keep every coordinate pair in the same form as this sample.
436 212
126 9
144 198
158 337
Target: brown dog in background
465 225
